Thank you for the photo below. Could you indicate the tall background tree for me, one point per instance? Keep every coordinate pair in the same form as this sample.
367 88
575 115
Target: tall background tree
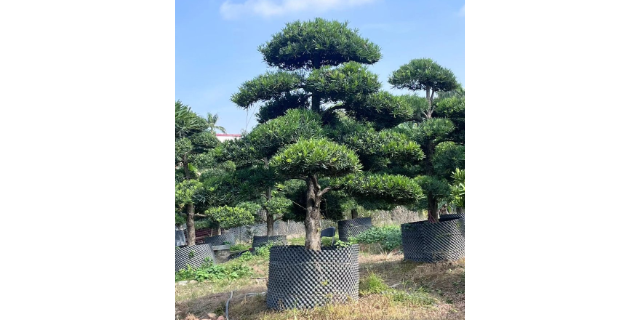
191 139
321 67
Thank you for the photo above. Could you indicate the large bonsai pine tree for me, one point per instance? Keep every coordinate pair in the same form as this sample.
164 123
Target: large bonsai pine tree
321 68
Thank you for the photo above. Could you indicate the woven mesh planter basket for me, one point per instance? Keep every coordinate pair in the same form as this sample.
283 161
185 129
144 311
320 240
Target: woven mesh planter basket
301 278
193 256
448 217
259 241
353 227
423 241
221 239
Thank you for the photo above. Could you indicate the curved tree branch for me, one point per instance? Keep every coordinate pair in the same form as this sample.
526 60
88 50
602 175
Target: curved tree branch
298 205
337 106
325 190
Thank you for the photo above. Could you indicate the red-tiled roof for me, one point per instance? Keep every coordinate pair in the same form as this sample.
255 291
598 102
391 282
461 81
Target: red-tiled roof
228 135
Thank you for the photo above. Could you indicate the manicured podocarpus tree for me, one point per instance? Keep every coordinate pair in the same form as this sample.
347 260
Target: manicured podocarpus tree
441 140
321 68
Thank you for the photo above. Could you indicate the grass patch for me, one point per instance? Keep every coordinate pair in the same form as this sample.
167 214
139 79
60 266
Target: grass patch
372 285
239 247
210 271
418 298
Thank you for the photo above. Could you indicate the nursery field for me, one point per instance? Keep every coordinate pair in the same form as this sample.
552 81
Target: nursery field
389 289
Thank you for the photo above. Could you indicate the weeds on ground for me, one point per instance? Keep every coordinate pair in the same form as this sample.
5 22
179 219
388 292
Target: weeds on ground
210 271
389 237
373 284
239 247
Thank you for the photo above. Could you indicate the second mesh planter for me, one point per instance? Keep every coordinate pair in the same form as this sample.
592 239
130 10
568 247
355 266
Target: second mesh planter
423 241
353 227
301 278
259 241
221 239
194 256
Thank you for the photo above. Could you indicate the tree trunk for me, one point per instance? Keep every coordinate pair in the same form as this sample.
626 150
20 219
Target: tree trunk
443 210
312 219
269 224
269 216
429 151
185 166
315 102
459 210
432 206
429 100
354 213
191 226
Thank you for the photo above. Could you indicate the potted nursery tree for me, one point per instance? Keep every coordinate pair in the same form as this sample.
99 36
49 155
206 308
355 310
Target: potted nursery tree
435 239
321 70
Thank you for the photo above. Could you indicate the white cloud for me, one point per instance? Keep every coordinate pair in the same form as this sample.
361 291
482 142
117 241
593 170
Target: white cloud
269 8
461 12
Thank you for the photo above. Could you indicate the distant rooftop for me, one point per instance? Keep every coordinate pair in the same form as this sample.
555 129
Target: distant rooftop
227 136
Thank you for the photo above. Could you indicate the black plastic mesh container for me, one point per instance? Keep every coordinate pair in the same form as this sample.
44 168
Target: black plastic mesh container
221 239
448 217
301 278
194 256
353 227
423 241
259 241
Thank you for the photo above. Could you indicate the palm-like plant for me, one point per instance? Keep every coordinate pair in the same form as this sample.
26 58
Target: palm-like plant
457 188
212 119
186 121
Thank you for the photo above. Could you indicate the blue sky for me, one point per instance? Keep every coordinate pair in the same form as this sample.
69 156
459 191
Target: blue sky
217 41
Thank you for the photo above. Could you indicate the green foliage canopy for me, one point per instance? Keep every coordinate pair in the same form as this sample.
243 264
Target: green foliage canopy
311 44
423 74
316 157
229 217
